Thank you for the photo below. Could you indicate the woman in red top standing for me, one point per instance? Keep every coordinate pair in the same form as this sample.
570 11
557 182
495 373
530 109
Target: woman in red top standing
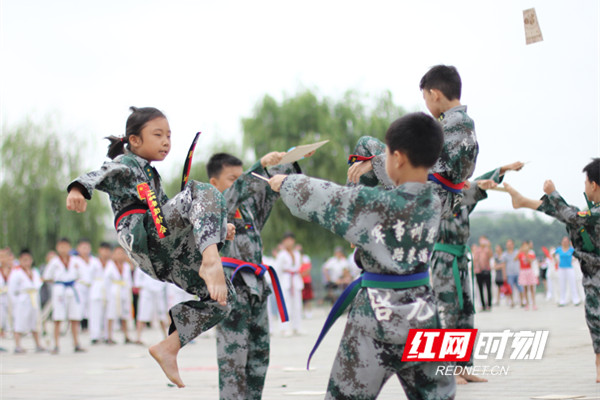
527 277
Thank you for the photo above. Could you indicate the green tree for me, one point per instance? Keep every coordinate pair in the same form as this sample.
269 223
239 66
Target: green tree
36 168
306 118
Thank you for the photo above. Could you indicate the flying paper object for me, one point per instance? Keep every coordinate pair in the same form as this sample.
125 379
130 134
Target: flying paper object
533 32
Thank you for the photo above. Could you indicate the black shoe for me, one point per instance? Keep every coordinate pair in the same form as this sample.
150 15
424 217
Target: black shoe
79 349
95 341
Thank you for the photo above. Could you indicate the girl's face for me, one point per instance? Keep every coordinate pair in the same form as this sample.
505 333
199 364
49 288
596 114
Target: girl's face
154 143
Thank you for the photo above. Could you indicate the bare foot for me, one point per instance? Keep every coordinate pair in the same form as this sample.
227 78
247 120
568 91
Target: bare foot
518 200
473 378
165 353
211 271
460 380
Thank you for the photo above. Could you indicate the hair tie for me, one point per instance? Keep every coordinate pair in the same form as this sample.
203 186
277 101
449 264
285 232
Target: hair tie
124 139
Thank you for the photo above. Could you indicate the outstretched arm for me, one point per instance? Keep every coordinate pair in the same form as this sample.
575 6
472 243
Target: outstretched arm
76 201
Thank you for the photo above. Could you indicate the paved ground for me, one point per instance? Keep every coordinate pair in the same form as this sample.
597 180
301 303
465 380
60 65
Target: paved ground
128 372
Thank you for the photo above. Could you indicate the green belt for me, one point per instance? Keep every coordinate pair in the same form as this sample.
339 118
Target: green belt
458 251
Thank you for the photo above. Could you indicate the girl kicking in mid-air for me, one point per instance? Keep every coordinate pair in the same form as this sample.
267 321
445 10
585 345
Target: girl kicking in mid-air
174 240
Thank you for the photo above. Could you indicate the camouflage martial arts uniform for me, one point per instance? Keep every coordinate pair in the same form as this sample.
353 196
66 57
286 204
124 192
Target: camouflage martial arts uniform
584 231
195 219
454 166
394 232
449 265
243 336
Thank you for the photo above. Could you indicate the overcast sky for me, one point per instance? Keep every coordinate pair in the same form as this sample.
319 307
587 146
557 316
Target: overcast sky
207 64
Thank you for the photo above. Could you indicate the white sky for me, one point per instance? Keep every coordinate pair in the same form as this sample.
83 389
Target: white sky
206 64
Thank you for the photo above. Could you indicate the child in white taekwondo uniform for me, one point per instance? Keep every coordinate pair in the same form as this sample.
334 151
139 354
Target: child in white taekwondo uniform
63 272
24 286
118 294
152 302
97 305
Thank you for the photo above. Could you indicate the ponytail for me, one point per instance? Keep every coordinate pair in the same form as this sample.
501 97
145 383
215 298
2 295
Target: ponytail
116 146
136 121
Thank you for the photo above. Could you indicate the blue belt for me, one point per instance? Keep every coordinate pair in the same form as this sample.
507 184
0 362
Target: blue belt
259 270
369 280
69 284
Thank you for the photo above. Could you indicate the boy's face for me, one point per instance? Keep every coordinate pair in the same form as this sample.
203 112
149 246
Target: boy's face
119 255
84 249
592 190
104 253
63 248
225 179
26 261
288 243
431 97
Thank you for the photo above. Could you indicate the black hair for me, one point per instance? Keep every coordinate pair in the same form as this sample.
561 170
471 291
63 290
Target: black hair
218 161
106 245
64 240
418 136
444 78
288 235
136 121
592 171
25 251
84 240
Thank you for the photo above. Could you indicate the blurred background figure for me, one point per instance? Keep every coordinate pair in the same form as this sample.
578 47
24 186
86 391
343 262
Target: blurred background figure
333 270
307 290
288 263
566 273
118 294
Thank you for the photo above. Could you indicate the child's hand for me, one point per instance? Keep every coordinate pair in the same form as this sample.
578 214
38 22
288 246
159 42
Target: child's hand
486 184
549 187
272 158
76 201
276 181
358 169
516 166
230 232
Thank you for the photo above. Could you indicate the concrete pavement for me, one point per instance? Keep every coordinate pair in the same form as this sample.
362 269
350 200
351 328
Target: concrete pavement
128 372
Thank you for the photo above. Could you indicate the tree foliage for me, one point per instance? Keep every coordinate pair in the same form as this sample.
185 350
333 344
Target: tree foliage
306 118
36 168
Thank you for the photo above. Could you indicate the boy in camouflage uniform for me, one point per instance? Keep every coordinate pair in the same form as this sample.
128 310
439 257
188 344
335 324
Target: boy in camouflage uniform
243 336
441 87
583 228
172 240
449 263
394 232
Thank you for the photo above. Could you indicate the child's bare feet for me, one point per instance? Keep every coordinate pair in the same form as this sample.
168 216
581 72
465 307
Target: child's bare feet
211 271
460 380
518 200
165 353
